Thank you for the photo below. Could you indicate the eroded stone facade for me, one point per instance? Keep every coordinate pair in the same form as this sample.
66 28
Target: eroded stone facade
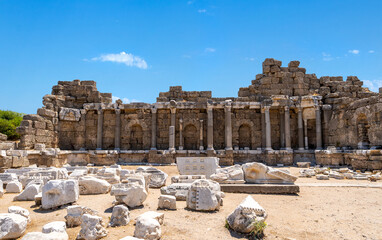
284 116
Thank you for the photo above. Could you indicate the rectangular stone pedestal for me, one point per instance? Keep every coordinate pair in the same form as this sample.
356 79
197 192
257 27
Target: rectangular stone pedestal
261 188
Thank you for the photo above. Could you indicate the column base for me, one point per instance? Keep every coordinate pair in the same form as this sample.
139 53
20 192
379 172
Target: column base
288 149
301 149
172 150
201 148
153 148
117 149
180 147
98 148
268 149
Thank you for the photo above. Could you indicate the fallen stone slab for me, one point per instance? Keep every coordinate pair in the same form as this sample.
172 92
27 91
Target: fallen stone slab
57 226
157 177
29 192
186 178
152 214
204 195
167 202
46 236
322 177
179 190
14 187
233 174
59 192
74 215
90 185
261 188
21 211
12 225
132 194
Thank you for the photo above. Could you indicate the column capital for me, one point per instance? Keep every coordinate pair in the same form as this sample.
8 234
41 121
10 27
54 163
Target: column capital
299 109
286 108
266 108
83 111
117 111
100 111
201 121
317 107
154 110
181 120
173 110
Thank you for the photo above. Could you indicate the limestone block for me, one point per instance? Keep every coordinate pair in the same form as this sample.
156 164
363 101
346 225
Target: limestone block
12 225
232 174
148 229
14 187
120 216
57 226
46 113
260 173
8 177
157 177
92 185
109 174
303 164
77 173
167 202
204 195
29 192
322 177
21 211
307 173
245 217
152 214
37 199
132 194
1 189
92 228
197 165
74 214
46 236
59 192
179 190
186 178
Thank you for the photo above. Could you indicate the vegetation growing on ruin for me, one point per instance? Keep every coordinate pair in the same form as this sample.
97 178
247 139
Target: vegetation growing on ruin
9 121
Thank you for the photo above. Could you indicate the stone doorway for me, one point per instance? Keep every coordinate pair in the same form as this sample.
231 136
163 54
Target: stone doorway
136 137
191 137
245 137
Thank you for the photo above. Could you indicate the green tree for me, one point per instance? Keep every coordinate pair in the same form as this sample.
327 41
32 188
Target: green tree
9 121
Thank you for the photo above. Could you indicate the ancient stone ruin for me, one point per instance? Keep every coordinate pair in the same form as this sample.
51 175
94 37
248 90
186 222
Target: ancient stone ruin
284 116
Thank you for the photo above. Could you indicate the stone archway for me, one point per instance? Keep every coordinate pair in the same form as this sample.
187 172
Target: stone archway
191 137
363 131
245 136
136 137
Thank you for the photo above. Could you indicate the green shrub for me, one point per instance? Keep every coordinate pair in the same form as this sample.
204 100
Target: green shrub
9 121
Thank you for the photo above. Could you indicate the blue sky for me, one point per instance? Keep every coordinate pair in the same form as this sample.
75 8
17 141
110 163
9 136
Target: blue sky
136 49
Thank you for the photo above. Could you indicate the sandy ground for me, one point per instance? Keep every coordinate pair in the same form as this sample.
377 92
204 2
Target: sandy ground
315 213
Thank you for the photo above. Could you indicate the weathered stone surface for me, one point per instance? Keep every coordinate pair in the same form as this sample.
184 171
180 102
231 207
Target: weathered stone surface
21 211
92 228
1 189
59 192
157 177
179 190
245 217
120 216
14 187
232 174
74 215
57 226
46 236
152 214
131 194
29 192
303 164
92 185
8 177
70 114
167 202
197 165
38 199
12 225
204 195
109 174
186 178
260 173
322 177
147 228
260 188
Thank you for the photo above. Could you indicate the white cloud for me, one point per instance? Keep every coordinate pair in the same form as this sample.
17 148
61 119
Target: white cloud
126 58
327 57
373 85
210 50
354 51
202 11
124 100
190 2
371 51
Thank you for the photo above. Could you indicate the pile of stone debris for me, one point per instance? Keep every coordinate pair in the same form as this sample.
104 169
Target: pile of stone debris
324 173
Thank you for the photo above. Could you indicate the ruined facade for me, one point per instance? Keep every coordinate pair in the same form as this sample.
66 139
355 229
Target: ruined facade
284 116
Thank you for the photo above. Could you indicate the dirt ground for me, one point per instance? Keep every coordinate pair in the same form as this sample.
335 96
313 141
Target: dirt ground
315 213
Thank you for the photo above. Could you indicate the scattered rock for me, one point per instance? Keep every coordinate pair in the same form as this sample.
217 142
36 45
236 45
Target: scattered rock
14 187
92 185
57 226
246 216
152 214
148 229
132 194
303 164
21 211
46 236
120 216
232 174
12 225
30 191
157 177
179 190
59 192
322 177
260 173
74 214
131 238
167 202
204 195
92 228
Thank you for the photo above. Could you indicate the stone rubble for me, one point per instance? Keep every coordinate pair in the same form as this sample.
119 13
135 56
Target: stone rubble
167 202
21 211
204 195
148 229
91 185
59 192
29 193
157 177
233 174
120 216
92 228
260 173
12 225
74 215
179 190
132 194
152 214
14 187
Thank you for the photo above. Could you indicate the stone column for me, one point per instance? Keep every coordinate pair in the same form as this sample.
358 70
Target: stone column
210 129
180 134
306 133
153 128
287 128
268 140
327 115
173 111
262 128
201 147
318 128
282 129
171 143
300 129
83 119
117 135
228 127
99 128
